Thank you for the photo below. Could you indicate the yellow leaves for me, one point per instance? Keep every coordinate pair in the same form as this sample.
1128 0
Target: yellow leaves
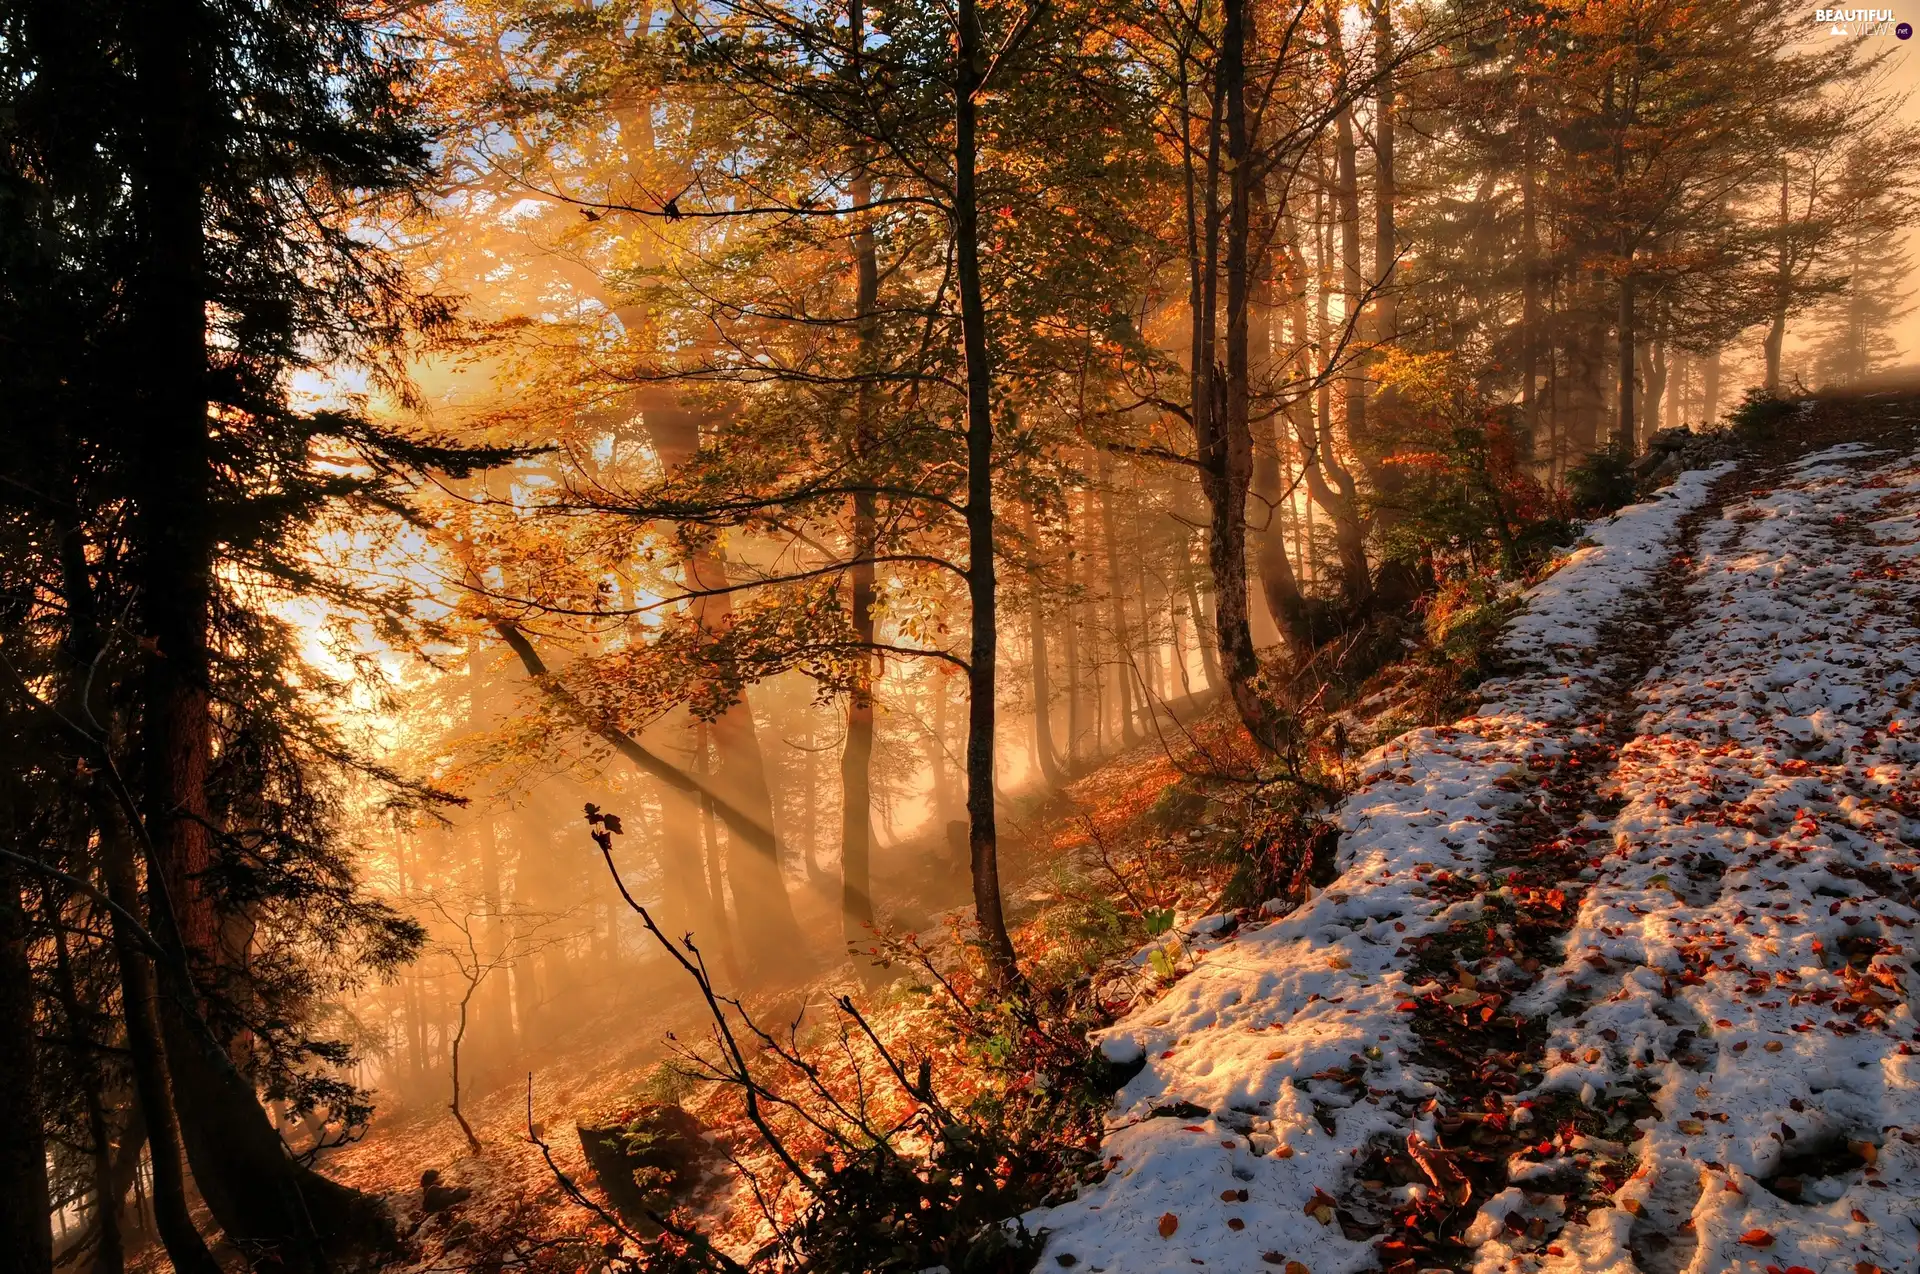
1462 996
1320 1207
1692 1127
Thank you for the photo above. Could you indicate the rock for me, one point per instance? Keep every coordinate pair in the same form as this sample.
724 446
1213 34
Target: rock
651 1155
435 1197
1670 439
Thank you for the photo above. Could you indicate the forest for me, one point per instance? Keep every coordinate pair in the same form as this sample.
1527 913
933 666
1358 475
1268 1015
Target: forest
765 635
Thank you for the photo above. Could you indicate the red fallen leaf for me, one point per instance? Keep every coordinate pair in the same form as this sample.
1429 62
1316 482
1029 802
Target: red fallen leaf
1235 1223
1169 1223
1860 1216
1800 1269
1752 1238
1867 1267
1191 1128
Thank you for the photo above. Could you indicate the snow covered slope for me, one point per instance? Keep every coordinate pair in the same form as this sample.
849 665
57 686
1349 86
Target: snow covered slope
1274 1066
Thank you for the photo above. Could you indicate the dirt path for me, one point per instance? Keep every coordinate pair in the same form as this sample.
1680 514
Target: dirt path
1616 974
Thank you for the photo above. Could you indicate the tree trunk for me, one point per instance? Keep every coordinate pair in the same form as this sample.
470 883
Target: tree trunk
260 1196
1782 295
1386 249
146 1052
772 944
970 63
1221 418
1710 388
25 1202
1202 620
453 1062
856 757
1529 272
1044 751
109 1246
1076 676
716 870
1117 606
1352 284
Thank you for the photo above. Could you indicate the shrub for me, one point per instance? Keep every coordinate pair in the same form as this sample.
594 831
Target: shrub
1463 481
1760 414
1601 483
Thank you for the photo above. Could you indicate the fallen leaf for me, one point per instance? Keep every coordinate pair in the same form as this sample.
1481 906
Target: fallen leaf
1866 1151
1235 1223
1295 1267
1169 1223
1773 1046
1320 1207
1692 1127
1860 1216
1752 1238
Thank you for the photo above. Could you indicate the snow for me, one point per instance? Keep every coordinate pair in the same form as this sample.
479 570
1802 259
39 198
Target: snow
1265 1067
1764 839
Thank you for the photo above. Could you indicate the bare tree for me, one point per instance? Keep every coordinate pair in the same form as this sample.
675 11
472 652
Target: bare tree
479 943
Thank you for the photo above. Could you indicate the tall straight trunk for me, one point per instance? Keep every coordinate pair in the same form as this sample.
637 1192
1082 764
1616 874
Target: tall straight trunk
771 941
1222 426
1386 247
25 1200
1529 274
1152 687
1322 314
1279 585
261 1197
856 756
1655 380
1352 282
1782 293
716 870
1624 434
1117 605
1044 753
1202 616
937 750
1710 388
970 63
1076 676
1624 431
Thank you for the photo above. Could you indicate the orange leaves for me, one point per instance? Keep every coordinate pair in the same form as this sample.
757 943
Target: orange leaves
1168 1224
1757 1238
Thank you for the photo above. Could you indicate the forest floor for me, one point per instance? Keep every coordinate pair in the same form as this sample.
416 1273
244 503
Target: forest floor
1617 971
1614 976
